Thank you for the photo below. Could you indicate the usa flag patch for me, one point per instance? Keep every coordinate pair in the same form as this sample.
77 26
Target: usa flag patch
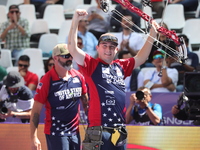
39 85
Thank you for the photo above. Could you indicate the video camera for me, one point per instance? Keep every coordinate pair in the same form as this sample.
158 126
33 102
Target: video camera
191 96
3 109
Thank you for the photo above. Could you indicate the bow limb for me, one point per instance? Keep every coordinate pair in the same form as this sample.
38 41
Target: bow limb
128 5
170 34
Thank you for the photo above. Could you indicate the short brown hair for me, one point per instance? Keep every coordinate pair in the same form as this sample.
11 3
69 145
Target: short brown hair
14 7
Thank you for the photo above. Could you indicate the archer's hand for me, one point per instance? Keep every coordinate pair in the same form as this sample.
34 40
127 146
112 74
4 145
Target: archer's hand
153 30
80 14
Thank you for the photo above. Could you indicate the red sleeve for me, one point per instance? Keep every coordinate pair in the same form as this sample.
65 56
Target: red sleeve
89 65
34 79
31 78
127 65
84 87
42 89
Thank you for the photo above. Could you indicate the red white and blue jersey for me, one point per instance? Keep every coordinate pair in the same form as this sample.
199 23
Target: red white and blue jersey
62 102
106 90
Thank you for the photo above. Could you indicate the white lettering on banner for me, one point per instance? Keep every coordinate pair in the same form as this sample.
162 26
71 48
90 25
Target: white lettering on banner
69 93
175 121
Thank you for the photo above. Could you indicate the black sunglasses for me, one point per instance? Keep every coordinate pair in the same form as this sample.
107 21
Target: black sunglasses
66 56
108 38
51 64
12 12
21 65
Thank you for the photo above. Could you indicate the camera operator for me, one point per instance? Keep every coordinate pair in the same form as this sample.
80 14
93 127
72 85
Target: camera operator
188 103
187 108
141 110
179 113
16 99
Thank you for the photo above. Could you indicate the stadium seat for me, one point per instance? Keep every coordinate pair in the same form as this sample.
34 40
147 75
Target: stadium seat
36 61
54 15
28 12
3 16
191 29
47 42
174 16
64 31
6 59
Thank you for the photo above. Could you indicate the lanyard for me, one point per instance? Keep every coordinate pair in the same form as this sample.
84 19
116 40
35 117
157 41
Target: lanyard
128 36
152 76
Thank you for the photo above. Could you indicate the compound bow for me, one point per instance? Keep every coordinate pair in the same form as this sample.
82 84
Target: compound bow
182 53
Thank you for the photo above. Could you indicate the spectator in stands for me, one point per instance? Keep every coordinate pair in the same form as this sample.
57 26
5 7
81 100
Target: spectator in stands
17 98
31 79
15 32
99 21
49 64
3 71
189 5
130 81
40 5
127 39
164 40
188 66
193 59
158 6
160 79
89 41
80 42
141 110
116 25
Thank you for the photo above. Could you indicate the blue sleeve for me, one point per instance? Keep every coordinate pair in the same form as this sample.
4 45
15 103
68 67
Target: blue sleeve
158 110
132 111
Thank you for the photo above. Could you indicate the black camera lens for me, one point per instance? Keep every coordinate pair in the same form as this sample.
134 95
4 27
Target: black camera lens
139 95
